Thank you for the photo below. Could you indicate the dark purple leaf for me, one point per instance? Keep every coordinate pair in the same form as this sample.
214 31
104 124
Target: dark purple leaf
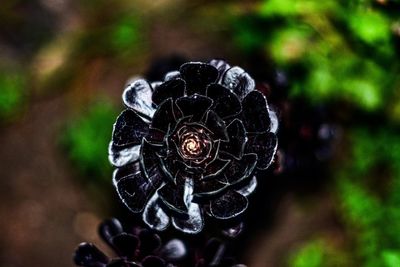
122 263
228 206
237 80
197 76
194 105
121 157
164 117
88 255
154 215
214 168
221 66
245 85
248 188
216 125
137 96
213 251
234 231
134 189
255 112
126 171
129 129
238 170
153 261
210 187
170 89
125 245
193 222
150 163
172 75
172 195
149 242
170 166
226 104
237 139
110 228
174 250
264 145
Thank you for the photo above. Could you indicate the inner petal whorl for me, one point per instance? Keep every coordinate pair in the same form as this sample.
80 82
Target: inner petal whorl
193 144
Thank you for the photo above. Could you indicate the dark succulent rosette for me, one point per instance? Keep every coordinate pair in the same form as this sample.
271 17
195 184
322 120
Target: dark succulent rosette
189 146
141 249
214 254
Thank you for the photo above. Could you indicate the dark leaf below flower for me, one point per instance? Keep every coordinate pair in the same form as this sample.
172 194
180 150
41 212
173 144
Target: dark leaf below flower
88 255
153 261
125 245
122 263
149 242
110 228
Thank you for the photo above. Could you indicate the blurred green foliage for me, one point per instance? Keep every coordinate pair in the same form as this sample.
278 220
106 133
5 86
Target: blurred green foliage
368 198
330 49
125 33
369 191
120 36
344 52
310 255
317 253
12 92
86 140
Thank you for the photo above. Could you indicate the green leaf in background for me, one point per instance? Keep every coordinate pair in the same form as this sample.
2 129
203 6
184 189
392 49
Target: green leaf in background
86 140
391 258
370 26
12 93
294 8
318 253
309 255
368 192
344 49
125 33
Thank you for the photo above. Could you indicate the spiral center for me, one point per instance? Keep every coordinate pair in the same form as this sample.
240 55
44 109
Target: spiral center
193 143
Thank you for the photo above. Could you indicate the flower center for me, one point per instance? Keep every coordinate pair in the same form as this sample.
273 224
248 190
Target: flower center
193 144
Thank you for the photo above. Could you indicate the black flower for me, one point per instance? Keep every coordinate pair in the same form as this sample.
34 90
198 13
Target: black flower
140 249
189 146
143 248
